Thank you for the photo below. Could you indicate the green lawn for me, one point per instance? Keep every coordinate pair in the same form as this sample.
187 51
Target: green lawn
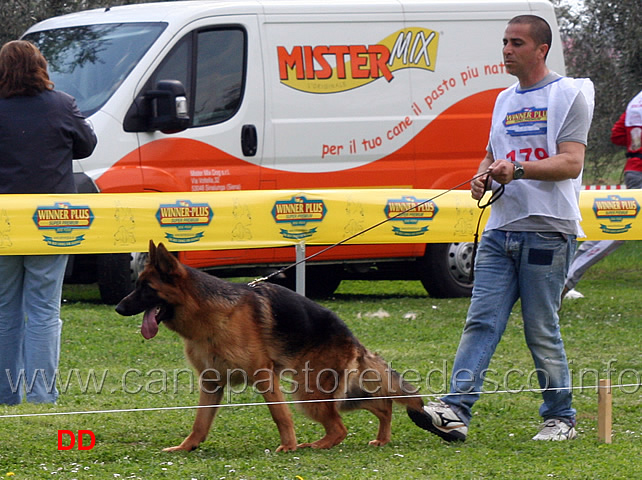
107 365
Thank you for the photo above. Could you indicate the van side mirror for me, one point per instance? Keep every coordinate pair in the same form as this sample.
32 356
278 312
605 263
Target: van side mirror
163 108
169 112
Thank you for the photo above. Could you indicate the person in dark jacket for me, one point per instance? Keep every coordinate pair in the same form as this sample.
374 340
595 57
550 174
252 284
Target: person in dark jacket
41 132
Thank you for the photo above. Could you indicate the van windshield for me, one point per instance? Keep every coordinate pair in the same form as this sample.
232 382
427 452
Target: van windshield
90 62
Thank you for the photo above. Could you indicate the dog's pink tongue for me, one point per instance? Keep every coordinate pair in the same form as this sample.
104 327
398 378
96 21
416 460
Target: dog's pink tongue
149 329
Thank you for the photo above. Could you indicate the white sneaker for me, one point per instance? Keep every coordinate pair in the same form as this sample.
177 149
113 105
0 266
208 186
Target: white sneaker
573 295
440 419
555 430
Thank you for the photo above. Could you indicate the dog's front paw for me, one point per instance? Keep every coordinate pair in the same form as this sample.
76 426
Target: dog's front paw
378 443
181 448
286 448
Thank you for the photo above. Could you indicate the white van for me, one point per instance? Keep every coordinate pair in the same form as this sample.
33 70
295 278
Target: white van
275 94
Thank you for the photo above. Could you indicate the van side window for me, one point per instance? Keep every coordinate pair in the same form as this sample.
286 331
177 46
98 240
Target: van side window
220 68
211 66
176 66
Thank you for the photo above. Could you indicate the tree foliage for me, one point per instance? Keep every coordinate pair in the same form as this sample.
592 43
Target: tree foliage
603 41
18 15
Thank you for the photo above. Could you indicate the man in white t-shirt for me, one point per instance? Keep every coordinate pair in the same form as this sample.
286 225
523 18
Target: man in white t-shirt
536 151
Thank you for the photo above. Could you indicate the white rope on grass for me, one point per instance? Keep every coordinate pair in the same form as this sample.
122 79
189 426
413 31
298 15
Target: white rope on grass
299 402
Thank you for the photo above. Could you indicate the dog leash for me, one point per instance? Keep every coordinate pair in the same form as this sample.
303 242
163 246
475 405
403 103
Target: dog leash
351 237
493 198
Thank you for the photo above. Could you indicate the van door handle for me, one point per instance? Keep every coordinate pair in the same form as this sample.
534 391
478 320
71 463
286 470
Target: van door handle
249 140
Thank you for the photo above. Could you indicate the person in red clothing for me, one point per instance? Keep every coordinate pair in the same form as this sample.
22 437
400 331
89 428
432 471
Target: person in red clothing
627 132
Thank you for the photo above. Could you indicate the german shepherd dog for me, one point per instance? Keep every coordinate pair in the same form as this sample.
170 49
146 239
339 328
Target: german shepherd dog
265 331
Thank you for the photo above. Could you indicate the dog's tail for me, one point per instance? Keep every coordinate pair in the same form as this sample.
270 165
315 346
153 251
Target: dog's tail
376 378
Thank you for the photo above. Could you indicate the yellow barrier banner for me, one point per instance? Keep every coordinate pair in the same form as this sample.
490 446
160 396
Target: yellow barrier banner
112 223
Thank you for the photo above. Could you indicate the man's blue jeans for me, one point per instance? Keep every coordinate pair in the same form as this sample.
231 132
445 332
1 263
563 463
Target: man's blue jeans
509 266
30 326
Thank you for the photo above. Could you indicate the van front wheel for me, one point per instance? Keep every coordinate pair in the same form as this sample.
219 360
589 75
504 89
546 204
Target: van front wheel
444 269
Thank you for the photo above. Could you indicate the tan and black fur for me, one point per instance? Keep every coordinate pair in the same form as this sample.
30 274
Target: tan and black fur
265 330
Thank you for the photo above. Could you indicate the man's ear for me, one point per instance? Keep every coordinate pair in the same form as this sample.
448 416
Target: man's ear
544 49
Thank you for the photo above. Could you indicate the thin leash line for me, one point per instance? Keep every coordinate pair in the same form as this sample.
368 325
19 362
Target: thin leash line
300 402
353 236
493 198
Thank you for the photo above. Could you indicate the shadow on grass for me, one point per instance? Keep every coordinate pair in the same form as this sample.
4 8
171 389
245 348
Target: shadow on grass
81 293
363 297
349 290
363 290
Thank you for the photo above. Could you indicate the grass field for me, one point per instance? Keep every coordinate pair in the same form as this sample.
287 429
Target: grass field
106 365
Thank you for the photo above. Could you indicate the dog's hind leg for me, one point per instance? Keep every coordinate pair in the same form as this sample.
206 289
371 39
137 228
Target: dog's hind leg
403 392
279 410
209 403
382 409
326 414
410 402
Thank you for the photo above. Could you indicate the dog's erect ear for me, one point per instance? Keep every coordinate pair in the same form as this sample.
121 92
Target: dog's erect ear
152 251
165 262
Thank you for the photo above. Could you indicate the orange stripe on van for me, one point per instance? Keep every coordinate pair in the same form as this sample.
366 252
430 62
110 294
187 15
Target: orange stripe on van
176 164
446 152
